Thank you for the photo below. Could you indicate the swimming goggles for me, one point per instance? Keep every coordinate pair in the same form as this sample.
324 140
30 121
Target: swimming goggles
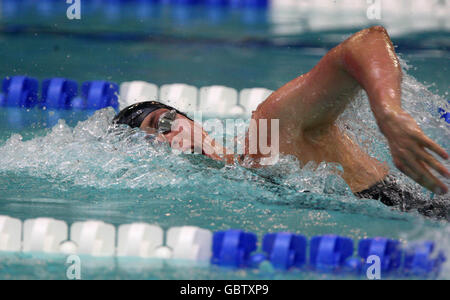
165 121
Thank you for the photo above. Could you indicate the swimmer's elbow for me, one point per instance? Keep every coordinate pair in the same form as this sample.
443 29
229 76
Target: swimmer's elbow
374 32
361 38
369 46
377 29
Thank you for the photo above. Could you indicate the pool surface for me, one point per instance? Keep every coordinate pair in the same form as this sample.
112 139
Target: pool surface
76 169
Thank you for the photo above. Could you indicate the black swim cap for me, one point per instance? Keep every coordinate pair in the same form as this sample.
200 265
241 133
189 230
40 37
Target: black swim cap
135 114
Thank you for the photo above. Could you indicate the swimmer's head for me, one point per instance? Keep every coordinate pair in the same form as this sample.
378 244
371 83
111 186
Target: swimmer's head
169 125
140 115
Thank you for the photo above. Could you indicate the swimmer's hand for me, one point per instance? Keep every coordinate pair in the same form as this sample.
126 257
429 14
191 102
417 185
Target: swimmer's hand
408 145
183 139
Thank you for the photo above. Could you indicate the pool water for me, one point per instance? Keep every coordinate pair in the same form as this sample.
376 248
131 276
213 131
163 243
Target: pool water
76 169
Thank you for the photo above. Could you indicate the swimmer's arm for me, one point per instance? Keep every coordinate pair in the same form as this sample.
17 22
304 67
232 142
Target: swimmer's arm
316 99
366 60
371 60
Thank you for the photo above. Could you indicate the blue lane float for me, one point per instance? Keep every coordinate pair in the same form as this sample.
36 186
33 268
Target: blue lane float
19 91
58 93
388 251
233 3
327 254
217 2
285 250
100 94
421 261
250 3
232 248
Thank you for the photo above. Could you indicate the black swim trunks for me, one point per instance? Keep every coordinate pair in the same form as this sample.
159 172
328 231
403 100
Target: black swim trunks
390 192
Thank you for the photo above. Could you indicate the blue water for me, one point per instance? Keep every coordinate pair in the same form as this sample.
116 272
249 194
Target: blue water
77 169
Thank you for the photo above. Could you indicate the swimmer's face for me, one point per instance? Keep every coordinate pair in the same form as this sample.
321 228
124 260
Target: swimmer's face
185 135
150 123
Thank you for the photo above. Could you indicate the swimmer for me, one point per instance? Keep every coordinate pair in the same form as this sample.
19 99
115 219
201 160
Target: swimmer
307 109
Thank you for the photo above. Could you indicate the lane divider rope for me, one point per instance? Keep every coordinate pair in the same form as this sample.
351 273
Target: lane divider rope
235 249
63 94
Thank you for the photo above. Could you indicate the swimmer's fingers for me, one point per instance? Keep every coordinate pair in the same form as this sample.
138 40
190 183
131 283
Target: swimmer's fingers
413 174
439 187
417 171
433 163
433 146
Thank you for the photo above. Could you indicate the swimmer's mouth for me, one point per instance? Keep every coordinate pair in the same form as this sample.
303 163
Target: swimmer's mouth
155 138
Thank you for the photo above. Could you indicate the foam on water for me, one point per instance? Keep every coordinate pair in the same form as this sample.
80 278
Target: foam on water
93 155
